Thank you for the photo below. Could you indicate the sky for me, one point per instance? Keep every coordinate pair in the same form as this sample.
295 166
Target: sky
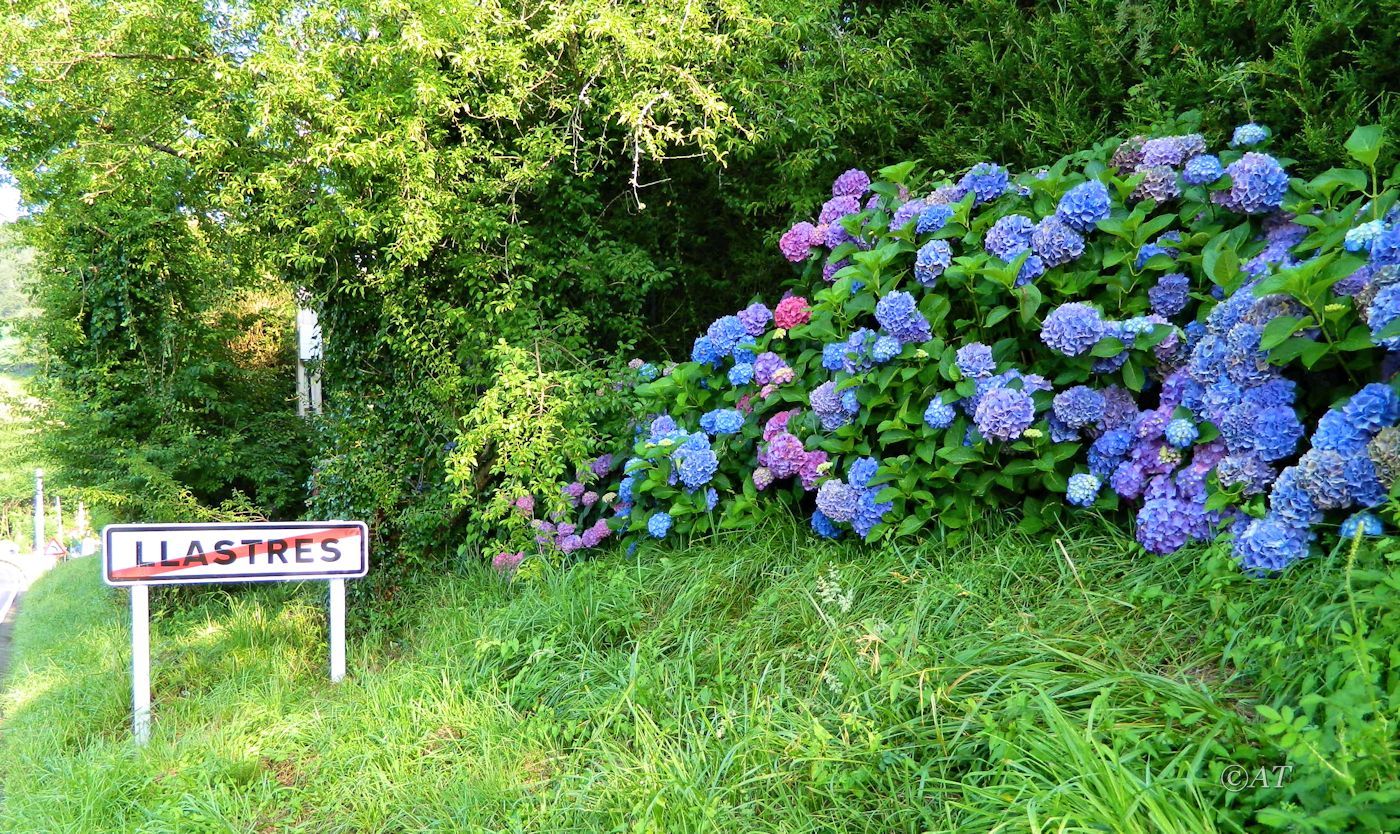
9 203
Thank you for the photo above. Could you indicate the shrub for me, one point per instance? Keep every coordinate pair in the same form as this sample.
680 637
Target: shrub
1145 316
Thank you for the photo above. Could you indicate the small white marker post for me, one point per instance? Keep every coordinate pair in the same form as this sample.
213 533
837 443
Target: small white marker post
141 662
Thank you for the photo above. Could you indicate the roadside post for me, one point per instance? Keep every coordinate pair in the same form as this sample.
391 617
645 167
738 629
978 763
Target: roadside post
137 556
38 513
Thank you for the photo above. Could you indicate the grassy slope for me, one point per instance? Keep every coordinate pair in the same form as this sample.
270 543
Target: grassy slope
1002 682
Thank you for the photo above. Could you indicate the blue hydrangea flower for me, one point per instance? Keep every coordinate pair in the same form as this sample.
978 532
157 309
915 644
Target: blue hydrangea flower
1165 524
939 415
899 315
1372 408
986 180
834 356
726 333
1004 414
1203 169
869 512
1072 329
705 352
1276 431
823 526
695 467
933 258
1181 433
659 525
648 372
1270 544
1248 135
1084 205
1384 309
1360 238
1083 489
1079 406
1367 523
830 406
1322 475
1288 500
722 421
885 349
934 218
1056 242
975 361
1170 294
861 471
1385 250
1257 185
711 499
1336 433
1009 236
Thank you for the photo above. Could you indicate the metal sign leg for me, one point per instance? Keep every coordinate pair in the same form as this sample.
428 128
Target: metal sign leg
141 662
337 635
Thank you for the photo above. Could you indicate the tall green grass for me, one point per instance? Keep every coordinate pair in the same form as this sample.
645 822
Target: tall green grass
760 683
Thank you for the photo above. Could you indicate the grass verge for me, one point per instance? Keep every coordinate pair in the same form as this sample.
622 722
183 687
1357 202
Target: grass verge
759 683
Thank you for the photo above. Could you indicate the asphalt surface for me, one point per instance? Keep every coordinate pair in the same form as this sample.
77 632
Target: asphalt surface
10 586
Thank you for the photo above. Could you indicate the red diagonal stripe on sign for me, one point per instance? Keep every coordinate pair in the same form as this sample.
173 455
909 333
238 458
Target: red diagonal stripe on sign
242 551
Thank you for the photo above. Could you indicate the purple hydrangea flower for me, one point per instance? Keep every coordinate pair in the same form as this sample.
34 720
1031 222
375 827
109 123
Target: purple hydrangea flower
1257 185
796 243
838 500
1078 407
755 318
1158 183
1004 414
853 183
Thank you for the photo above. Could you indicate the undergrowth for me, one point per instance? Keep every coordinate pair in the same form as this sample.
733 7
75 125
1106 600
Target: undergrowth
1062 682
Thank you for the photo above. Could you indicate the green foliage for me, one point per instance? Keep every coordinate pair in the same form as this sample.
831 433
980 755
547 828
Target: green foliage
442 177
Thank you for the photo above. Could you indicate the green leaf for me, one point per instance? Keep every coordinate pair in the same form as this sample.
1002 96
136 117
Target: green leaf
1364 144
1106 347
1133 376
1278 330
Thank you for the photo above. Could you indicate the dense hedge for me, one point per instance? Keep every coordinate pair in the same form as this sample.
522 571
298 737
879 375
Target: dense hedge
484 202
1194 331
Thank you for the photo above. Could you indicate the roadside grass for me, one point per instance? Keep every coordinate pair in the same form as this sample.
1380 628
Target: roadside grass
760 682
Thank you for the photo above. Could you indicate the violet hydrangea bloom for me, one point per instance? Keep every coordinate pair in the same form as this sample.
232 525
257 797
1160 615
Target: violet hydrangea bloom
838 500
755 318
1078 407
1158 183
1004 414
1170 294
1257 185
796 243
852 183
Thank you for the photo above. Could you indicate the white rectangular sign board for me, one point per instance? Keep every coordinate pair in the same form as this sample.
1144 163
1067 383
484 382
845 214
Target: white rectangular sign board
163 554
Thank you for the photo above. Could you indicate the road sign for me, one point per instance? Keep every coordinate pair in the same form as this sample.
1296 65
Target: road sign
141 555
161 554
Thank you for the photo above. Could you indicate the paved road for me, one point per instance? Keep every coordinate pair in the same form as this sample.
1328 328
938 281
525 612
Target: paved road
10 586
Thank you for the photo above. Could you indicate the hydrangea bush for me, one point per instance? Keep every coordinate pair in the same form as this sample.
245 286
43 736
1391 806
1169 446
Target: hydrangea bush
1176 327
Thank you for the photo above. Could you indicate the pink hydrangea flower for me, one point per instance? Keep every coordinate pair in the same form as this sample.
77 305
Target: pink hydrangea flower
791 312
525 504
796 243
506 562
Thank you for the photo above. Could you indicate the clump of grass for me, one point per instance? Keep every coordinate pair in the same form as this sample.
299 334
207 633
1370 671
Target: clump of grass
750 683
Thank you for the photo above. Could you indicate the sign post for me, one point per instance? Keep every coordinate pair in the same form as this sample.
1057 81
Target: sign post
137 556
